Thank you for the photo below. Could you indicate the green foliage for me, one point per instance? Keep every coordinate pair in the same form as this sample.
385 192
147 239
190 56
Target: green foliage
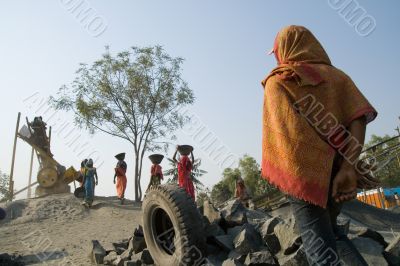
387 157
4 187
249 170
135 95
195 174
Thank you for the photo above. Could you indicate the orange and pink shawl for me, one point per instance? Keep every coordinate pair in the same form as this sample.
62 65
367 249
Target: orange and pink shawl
304 96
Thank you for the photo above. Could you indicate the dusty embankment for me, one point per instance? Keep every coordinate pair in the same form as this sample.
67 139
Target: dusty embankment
58 230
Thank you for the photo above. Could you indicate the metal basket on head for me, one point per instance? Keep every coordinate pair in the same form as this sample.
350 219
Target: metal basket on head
185 149
156 158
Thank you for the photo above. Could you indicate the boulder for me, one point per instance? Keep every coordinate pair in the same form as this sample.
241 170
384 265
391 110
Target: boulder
394 247
370 250
234 231
391 259
343 225
261 258
298 258
232 262
272 242
126 254
119 250
132 263
137 244
119 261
98 252
146 258
215 260
237 257
110 258
122 245
255 216
214 229
269 225
289 239
212 248
234 213
225 242
368 233
248 240
138 231
211 213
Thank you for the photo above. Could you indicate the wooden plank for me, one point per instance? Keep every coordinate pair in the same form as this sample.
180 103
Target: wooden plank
11 188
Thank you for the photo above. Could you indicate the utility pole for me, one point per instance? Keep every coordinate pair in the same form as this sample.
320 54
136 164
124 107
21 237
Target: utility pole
11 188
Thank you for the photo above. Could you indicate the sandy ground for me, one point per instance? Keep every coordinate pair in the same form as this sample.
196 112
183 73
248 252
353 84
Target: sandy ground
57 229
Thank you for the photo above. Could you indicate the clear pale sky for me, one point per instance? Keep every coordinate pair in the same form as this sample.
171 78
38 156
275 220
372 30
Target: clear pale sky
224 44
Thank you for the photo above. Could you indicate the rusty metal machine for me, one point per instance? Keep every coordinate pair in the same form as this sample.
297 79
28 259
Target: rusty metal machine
52 177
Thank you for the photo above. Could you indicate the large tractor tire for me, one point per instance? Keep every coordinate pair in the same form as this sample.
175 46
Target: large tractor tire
173 227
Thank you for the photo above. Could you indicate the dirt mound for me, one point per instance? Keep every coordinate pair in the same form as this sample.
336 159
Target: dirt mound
51 207
57 229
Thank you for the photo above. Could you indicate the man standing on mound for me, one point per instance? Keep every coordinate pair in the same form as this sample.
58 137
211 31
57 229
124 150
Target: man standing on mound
120 174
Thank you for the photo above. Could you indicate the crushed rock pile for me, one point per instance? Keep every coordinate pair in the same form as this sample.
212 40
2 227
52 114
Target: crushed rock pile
240 236
59 206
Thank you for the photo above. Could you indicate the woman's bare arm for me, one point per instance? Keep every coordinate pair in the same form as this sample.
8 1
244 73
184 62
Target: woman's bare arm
345 182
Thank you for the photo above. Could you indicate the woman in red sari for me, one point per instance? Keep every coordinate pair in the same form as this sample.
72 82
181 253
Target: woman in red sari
185 166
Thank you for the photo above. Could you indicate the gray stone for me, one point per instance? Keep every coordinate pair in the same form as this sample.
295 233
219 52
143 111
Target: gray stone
234 255
370 250
132 263
98 252
138 231
212 249
248 240
391 259
122 245
255 216
272 242
269 226
298 258
231 262
234 231
234 213
110 258
137 244
126 254
211 213
119 261
119 250
146 257
225 242
368 233
214 260
394 247
260 258
343 225
214 230
289 239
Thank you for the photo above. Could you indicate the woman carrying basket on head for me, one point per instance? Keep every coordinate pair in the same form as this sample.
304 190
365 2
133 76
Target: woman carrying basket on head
185 166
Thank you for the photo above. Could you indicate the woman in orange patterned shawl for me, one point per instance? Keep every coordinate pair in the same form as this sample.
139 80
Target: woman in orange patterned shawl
314 116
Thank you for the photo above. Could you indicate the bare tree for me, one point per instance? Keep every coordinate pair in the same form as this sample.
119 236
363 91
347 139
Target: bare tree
136 95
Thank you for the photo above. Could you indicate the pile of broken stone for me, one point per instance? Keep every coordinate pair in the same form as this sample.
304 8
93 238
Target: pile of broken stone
127 252
240 236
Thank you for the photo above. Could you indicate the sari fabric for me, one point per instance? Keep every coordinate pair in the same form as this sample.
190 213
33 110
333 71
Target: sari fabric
308 104
184 180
